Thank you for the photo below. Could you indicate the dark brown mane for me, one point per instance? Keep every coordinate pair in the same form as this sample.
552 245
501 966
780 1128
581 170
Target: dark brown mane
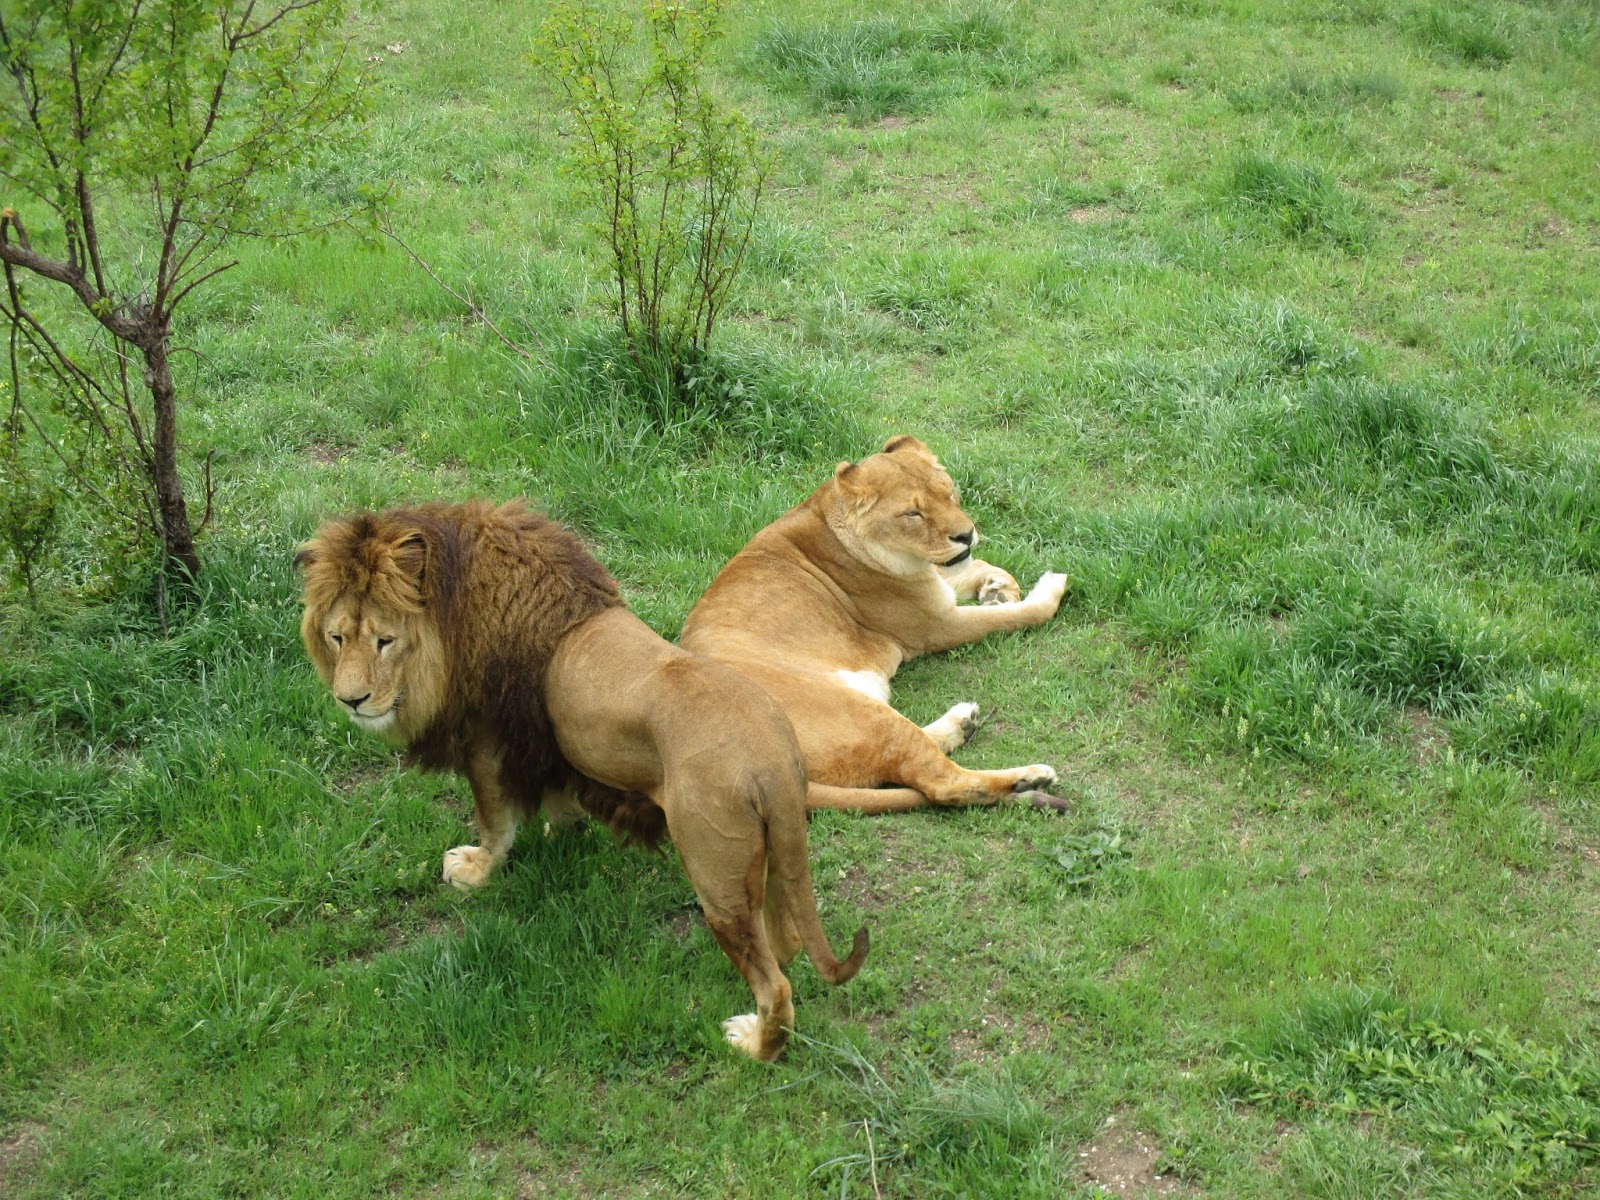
502 585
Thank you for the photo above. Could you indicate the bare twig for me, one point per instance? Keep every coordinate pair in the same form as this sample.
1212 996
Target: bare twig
872 1159
537 355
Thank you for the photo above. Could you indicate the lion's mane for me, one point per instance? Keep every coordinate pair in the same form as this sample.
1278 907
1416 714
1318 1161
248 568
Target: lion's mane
491 591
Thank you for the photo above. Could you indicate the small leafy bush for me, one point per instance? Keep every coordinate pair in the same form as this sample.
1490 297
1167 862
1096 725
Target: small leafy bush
673 175
1089 858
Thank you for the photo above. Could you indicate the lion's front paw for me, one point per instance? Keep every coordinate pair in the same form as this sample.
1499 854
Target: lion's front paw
999 588
467 867
742 1032
1036 776
1050 589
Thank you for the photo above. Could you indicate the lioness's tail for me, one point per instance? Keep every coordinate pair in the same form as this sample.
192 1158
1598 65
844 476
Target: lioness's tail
789 870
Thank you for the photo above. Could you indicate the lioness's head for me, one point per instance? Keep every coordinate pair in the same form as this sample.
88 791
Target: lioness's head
900 510
366 624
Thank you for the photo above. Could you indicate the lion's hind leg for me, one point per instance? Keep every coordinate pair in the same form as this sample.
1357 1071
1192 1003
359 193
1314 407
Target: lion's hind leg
764 1033
782 934
723 848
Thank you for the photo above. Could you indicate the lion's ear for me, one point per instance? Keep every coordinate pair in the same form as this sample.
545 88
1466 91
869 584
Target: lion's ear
903 441
305 557
410 554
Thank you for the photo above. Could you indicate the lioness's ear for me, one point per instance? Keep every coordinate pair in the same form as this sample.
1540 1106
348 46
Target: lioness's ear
843 471
903 441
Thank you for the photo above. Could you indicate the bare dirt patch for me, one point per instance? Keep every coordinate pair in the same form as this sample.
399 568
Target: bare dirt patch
1427 739
1567 840
18 1154
528 1184
683 924
996 1036
402 934
856 886
1122 1160
324 454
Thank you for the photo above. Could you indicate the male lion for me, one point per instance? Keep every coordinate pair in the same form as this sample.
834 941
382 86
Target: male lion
823 606
488 641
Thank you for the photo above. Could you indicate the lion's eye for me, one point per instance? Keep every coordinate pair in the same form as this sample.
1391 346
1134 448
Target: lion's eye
336 639
383 641
913 514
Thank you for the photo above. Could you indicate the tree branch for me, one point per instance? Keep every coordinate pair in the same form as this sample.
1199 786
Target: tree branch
19 254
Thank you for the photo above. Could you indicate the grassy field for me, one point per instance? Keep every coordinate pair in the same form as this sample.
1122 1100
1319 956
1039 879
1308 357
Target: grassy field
1274 323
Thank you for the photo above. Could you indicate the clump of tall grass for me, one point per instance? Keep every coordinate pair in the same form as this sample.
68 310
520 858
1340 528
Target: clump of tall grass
1464 32
960 1132
1394 641
1548 723
755 400
1300 201
894 64
1300 92
1417 460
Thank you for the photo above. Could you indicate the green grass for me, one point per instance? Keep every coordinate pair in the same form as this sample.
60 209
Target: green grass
1276 324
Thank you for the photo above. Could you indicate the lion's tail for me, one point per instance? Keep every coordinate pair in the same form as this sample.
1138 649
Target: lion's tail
790 870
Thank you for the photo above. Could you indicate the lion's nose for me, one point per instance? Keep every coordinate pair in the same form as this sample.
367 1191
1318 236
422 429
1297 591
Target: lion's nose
967 538
357 702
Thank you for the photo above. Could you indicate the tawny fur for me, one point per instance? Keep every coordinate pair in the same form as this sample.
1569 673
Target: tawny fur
823 605
487 640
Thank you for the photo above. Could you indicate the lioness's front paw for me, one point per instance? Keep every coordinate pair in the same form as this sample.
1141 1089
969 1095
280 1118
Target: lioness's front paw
965 718
1036 776
1052 586
741 1033
467 867
999 588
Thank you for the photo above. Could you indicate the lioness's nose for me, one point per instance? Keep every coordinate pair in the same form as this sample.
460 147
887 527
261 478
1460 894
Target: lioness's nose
966 539
357 702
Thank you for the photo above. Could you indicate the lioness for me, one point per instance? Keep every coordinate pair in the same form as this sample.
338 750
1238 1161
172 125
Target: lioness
823 606
488 641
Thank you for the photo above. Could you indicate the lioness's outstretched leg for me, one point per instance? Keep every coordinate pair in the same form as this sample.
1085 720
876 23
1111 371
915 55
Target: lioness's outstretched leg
468 867
867 744
961 624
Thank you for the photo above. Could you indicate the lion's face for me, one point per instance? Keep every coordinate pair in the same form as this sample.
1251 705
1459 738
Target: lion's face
366 629
902 510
